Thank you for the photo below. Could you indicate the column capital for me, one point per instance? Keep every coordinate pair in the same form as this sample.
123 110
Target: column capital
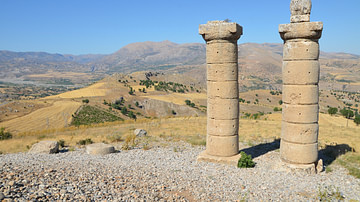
220 30
300 11
304 30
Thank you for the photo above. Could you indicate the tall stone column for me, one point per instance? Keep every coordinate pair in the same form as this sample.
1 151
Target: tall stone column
222 141
299 131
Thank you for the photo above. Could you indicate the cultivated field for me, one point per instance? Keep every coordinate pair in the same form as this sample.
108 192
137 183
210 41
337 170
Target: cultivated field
95 90
57 115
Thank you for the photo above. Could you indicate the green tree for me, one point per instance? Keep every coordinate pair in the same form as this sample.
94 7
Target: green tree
4 135
280 102
124 110
85 101
332 110
347 113
357 120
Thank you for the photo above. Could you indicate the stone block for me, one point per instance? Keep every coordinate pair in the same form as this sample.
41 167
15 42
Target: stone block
300 94
300 72
215 30
300 50
222 72
222 145
299 133
100 148
223 109
229 160
300 113
298 153
220 53
45 147
222 127
226 89
306 30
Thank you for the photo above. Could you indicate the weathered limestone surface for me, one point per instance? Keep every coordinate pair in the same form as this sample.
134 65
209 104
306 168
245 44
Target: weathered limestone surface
299 131
45 147
100 148
222 142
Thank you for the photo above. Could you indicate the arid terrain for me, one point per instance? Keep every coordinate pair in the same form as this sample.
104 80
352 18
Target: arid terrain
161 88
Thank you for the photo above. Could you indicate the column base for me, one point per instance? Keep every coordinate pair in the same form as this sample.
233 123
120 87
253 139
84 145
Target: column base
312 168
230 160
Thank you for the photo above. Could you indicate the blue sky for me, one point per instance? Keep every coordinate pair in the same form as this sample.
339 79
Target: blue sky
104 26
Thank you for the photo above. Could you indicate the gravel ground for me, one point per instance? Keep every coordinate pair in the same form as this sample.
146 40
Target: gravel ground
160 174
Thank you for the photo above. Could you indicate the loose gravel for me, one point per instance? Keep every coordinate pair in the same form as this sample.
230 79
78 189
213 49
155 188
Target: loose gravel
168 173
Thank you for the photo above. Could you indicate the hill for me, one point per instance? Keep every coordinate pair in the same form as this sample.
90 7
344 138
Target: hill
259 65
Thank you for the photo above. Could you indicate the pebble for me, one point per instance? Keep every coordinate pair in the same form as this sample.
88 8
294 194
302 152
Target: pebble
160 174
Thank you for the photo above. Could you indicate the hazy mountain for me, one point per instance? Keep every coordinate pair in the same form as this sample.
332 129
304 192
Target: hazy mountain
259 64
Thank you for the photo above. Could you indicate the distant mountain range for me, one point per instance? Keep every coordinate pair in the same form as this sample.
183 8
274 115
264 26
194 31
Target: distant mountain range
259 64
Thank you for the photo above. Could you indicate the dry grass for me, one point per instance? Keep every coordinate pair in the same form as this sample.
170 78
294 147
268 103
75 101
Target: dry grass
190 129
95 90
57 115
178 98
52 75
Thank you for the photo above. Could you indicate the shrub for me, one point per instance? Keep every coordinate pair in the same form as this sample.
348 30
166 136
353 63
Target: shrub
276 109
357 120
86 101
245 161
280 102
347 113
61 143
85 142
332 110
4 135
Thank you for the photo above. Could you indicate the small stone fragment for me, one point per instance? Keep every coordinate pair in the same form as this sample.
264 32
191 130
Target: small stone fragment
320 166
140 132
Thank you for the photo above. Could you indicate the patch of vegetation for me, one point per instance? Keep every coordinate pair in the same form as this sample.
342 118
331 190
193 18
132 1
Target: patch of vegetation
89 115
86 101
130 141
330 194
4 135
245 161
277 109
61 143
357 120
275 92
85 142
189 103
332 110
347 113
351 162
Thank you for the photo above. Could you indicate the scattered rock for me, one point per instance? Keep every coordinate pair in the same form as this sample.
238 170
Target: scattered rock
1 196
45 147
99 148
140 132
320 166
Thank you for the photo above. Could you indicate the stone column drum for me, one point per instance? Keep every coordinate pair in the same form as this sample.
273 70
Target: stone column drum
299 131
222 142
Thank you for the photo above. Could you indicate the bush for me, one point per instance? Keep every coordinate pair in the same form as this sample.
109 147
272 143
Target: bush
85 142
332 110
276 109
245 161
4 135
357 120
347 113
61 143
86 101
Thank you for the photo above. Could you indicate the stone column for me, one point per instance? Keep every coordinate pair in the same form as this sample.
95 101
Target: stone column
222 141
299 131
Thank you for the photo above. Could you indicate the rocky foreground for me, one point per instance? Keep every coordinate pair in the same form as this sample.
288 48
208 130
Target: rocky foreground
161 174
